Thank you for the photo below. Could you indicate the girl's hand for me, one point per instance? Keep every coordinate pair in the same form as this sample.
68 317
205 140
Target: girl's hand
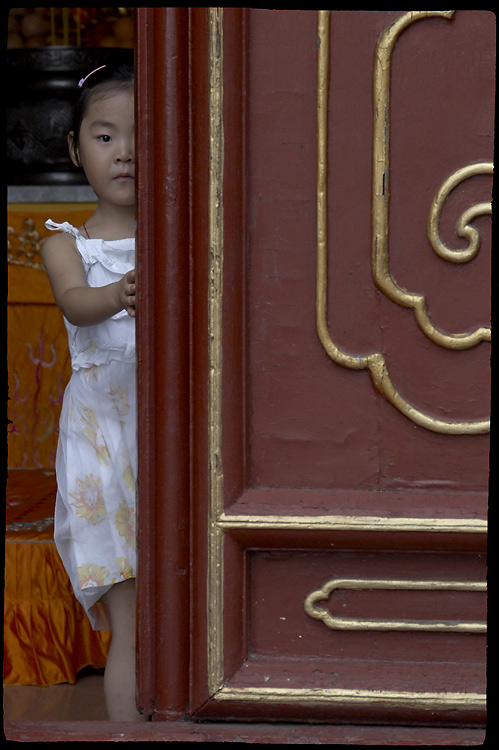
127 292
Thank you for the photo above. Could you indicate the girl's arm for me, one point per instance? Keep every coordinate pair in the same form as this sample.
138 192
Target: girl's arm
81 304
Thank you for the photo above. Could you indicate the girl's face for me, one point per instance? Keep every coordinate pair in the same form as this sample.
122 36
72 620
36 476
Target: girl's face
106 148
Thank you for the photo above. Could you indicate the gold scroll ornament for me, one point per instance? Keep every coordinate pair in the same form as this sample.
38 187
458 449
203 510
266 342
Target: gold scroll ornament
375 362
336 622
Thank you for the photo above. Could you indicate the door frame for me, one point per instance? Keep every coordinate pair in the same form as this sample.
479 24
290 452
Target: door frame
163 357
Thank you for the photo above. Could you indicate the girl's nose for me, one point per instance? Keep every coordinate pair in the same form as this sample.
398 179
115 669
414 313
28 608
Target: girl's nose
126 153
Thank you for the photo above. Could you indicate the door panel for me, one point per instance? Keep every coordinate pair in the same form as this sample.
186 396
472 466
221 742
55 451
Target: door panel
340 457
313 375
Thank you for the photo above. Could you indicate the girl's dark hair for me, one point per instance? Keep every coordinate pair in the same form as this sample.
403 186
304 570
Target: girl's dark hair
106 80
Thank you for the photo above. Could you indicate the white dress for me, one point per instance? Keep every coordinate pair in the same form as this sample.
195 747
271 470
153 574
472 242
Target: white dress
96 464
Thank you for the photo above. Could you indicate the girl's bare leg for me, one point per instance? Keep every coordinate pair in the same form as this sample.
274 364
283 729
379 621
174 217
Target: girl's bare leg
119 675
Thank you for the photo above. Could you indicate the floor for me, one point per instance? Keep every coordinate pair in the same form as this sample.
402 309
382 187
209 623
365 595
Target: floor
82 701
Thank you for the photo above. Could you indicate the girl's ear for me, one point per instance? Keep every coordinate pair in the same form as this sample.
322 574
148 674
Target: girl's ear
73 151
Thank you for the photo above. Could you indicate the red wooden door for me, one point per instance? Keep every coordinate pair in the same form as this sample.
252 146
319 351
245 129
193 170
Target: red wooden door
314 373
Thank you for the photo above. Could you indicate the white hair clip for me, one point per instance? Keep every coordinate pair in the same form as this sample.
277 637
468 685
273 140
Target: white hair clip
82 80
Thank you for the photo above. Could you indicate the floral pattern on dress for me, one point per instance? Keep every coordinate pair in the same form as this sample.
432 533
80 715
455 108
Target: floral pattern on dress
119 398
125 523
93 432
91 574
90 348
92 372
128 475
126 570
89 500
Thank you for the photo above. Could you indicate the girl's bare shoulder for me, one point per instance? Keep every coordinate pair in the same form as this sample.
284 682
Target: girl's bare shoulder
55 244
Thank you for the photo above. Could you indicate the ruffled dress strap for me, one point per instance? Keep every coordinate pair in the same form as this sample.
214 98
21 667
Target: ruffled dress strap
64 227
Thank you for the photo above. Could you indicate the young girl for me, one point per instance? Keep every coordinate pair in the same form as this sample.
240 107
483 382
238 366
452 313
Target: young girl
91 270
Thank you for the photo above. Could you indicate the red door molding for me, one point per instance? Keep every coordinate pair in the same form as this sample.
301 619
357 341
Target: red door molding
162 105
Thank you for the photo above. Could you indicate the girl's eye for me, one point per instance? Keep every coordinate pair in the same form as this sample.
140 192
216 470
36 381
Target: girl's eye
105 138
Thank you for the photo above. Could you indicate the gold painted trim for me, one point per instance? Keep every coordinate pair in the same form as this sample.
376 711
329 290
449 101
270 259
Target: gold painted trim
215 582
374 362
373 698
381 196
228 522
335 622
464 229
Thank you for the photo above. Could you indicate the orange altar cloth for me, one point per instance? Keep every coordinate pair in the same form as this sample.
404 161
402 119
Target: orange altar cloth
48 638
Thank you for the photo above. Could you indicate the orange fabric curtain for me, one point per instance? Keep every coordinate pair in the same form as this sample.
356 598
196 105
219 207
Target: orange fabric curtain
48 638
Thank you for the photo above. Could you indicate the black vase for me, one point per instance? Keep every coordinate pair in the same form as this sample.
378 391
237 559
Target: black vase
41 87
